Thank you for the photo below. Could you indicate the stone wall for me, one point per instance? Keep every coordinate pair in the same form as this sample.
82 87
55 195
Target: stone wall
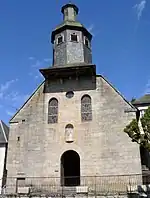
35 147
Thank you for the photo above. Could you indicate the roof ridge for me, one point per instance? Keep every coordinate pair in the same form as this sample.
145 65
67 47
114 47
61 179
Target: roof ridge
145 99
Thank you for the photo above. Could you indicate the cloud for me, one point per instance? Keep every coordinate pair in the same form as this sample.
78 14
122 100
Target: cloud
10 98
16 101
47 60
140 8
31 58
147 89
90 28
13 101
16 98
35 75
36 65
10 113
4 87
39 63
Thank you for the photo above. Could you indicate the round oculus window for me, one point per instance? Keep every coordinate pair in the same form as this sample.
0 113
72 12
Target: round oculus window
69 94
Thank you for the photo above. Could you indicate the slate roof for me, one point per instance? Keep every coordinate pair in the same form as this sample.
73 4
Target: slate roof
69 25
143 100
4 132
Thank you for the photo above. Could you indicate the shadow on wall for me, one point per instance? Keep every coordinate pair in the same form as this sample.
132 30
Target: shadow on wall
145 158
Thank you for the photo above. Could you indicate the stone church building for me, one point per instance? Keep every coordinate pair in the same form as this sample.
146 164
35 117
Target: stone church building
72 125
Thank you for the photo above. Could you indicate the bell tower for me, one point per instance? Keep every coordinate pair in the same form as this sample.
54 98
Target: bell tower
72 54
71 40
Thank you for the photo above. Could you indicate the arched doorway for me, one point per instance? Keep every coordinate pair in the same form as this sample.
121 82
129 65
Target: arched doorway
70 168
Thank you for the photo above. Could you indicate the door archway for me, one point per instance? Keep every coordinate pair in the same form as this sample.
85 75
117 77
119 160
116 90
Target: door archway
70 168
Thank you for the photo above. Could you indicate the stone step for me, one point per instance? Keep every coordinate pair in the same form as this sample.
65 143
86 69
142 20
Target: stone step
68 190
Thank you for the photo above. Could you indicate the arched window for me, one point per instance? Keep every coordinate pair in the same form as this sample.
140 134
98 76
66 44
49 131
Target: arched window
86 108
53 111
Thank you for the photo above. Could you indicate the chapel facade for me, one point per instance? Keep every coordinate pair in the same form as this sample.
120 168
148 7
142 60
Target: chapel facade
72 125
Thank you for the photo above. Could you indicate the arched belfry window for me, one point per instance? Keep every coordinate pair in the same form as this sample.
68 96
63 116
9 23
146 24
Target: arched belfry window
53 111
86 108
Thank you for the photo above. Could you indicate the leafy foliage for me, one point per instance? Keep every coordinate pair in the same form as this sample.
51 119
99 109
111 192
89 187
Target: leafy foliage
134 132
133 99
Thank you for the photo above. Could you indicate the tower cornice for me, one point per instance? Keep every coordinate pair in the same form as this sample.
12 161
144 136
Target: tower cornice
70 26
70 70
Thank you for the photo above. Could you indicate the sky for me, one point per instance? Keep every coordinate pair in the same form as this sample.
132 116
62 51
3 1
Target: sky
120 46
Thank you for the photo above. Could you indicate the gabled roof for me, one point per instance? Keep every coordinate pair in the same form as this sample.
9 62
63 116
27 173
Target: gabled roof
143 100
4 132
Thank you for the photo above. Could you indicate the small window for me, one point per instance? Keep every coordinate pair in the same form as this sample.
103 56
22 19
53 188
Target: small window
74 37
18 138
86 41
69 94
59 40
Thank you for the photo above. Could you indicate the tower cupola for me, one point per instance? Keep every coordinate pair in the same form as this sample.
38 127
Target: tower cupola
70 12
71 40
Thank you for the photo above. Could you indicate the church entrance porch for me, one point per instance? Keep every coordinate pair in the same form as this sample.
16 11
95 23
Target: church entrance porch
70 169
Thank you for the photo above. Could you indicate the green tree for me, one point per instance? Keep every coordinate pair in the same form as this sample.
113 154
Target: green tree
133 131
133 99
